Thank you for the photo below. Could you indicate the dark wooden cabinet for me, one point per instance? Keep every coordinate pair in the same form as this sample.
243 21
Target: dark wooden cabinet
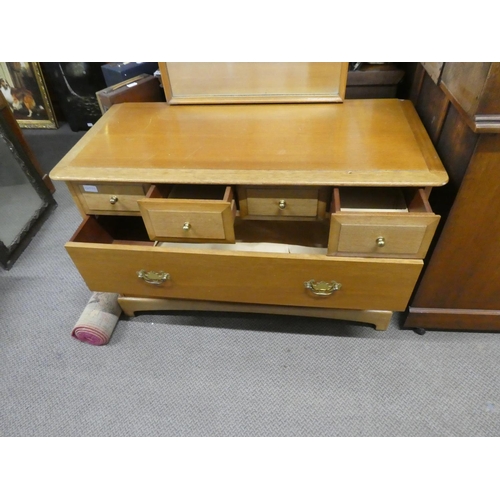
473 88
460 286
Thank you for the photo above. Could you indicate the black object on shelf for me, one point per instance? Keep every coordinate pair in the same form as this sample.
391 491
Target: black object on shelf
118 72
75 85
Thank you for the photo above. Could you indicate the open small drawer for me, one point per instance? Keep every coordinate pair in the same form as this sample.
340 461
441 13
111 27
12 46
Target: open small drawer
196 213
381 222
282 202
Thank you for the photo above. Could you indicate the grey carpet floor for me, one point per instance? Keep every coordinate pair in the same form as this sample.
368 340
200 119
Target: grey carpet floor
216 374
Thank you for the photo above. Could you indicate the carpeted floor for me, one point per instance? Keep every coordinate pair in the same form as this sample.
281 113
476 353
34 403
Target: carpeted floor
215 374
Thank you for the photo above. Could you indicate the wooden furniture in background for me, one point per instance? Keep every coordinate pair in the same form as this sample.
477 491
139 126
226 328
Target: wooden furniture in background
374 81
460 286
473 89
434 70
141 88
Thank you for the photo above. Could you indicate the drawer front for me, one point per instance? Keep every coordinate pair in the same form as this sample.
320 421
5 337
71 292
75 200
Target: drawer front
110 199
279 201
372 235
188 220
403 233
280 279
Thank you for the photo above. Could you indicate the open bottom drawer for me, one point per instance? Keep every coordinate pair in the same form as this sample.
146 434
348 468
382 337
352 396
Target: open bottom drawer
133 266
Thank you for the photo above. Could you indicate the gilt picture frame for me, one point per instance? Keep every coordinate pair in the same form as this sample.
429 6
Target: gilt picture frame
23 86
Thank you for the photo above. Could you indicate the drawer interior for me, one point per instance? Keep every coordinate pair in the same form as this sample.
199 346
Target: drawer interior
383 200
112 229
361 199
198 192
305 233
131 230
213 192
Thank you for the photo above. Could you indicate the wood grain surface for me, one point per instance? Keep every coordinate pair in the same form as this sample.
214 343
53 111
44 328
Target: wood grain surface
260 278
360 142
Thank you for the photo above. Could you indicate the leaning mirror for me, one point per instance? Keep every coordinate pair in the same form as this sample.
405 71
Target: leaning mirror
25 200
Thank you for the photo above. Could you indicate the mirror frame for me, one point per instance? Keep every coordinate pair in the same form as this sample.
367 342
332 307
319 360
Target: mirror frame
12 135
243 82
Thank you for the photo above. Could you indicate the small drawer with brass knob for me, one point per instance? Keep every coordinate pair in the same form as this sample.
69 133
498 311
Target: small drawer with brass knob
194 213
280 202
381 222
107 199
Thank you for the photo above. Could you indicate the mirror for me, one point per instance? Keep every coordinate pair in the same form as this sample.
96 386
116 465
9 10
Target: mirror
253 82
24 198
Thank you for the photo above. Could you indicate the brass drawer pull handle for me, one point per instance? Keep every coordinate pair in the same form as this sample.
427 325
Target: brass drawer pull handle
113 200
153 277
282 204
322 287
380 242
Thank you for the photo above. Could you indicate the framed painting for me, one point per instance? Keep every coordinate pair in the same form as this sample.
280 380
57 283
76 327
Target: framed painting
23 86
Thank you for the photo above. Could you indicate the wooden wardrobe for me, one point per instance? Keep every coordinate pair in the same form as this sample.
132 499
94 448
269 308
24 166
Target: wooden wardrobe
459 104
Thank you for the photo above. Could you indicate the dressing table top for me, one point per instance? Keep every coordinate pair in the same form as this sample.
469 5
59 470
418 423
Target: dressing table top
359 142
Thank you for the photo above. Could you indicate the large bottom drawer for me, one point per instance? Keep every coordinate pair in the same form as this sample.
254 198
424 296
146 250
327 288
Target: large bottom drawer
139 269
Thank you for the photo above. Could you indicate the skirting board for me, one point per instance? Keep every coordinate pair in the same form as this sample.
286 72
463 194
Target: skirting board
453 319
131 305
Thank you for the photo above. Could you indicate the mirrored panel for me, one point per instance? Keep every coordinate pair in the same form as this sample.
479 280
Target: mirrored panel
19 200
24 198
253 82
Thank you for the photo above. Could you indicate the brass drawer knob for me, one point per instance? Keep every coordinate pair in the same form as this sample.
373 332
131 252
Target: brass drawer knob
153 277
282 204
322 288
113 200
186 226
380 242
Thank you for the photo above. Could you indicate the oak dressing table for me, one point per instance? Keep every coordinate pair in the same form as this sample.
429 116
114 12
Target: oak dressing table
314 209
